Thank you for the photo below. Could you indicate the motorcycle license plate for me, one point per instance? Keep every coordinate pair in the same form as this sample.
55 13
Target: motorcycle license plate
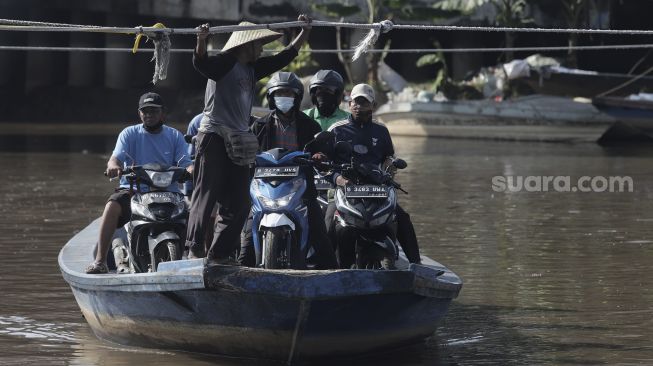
280 171
322 184
366 191
158 197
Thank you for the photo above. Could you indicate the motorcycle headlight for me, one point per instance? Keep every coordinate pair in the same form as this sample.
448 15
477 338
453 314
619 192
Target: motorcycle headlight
179 208
160 179
142 210
278 203
341 202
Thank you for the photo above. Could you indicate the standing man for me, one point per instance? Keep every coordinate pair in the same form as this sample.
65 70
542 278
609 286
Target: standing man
225 147
149 142
361 129
327 90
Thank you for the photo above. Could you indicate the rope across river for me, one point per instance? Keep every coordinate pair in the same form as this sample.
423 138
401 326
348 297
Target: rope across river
160 35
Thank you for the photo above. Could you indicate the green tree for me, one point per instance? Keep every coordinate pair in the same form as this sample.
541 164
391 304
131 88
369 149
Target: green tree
510 13
573 11
377 10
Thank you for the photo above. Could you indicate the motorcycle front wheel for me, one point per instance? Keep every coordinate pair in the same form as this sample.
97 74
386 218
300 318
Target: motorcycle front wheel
165 252
273 246
280 251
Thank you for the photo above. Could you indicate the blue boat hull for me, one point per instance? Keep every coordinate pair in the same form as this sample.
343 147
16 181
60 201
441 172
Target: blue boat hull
283 315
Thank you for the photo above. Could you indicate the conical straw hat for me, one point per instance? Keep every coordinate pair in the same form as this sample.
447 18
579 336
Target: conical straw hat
239 38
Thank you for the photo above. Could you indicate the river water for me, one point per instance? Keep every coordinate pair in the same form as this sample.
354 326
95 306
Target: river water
550 278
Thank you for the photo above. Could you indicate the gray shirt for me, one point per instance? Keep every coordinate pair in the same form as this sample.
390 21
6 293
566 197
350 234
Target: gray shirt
229 94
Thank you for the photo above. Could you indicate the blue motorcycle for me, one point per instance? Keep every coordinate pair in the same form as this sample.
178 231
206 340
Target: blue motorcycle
280 219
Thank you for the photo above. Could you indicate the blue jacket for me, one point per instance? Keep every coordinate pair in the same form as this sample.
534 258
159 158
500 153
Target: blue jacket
373 135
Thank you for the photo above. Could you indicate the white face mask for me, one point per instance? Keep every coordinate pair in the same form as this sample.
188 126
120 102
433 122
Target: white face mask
284 104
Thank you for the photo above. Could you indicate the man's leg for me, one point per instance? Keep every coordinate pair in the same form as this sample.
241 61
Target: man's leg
346 251
234 207
406 236
329 223
206 182
317 237
116 213
247 256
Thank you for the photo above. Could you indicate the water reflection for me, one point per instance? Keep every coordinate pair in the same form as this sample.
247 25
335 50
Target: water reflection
550 278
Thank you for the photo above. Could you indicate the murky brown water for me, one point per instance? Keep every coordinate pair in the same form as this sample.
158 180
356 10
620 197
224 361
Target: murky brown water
550 278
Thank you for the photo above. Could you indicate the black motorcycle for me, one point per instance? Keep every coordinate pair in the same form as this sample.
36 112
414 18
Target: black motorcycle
158 221
365 210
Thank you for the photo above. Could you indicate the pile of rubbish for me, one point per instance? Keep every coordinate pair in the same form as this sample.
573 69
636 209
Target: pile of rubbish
494 82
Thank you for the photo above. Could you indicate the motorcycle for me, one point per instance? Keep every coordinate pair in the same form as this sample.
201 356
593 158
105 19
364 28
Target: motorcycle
366 207
279 214
158 221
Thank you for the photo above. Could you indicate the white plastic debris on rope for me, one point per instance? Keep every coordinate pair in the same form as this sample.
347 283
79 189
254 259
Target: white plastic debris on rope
371 37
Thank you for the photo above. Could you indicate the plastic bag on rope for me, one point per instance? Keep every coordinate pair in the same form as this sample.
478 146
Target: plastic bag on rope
241 146
161 55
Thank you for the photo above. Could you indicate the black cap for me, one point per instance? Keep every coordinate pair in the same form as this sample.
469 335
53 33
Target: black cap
150 100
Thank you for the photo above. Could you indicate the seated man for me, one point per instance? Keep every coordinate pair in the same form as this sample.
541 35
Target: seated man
287 127
149 142
327 90
361 129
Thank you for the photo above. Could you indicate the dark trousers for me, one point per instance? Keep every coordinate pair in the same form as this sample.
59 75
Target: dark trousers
217 180
405 235
325 257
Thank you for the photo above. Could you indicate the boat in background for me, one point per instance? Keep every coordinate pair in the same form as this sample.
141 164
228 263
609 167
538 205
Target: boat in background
286 315
562 81
530 118
634 115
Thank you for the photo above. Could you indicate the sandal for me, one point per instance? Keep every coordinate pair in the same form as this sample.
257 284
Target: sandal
97 268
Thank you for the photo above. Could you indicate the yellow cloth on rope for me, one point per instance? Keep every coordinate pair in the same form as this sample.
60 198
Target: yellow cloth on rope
137 41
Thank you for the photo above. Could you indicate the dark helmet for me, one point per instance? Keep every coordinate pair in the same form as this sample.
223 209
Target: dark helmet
328 79
285 80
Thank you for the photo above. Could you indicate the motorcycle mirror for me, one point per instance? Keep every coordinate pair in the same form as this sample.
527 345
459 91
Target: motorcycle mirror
400 163
324 136
322 141
343 149
188 139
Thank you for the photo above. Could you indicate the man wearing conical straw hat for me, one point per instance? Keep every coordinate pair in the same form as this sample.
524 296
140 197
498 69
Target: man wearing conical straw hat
225 147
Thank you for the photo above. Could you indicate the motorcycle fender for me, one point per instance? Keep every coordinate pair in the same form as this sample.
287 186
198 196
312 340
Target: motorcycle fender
274 219
386 243
153 241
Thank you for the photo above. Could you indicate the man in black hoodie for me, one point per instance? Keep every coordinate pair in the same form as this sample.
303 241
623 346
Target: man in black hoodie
288 128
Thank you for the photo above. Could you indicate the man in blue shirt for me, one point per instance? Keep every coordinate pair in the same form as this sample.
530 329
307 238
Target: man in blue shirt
149 142
373 138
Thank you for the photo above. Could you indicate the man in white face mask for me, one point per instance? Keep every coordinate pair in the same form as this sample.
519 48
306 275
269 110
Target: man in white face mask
288 128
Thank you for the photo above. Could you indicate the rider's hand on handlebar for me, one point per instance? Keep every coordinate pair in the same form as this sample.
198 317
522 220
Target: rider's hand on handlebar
341 181
113 171
389 167
319 157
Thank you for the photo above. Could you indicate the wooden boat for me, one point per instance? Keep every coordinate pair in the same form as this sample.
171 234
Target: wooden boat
531 118
271 314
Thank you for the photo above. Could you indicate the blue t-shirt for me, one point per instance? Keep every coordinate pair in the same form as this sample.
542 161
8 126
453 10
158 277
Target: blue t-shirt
193 128
136 146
